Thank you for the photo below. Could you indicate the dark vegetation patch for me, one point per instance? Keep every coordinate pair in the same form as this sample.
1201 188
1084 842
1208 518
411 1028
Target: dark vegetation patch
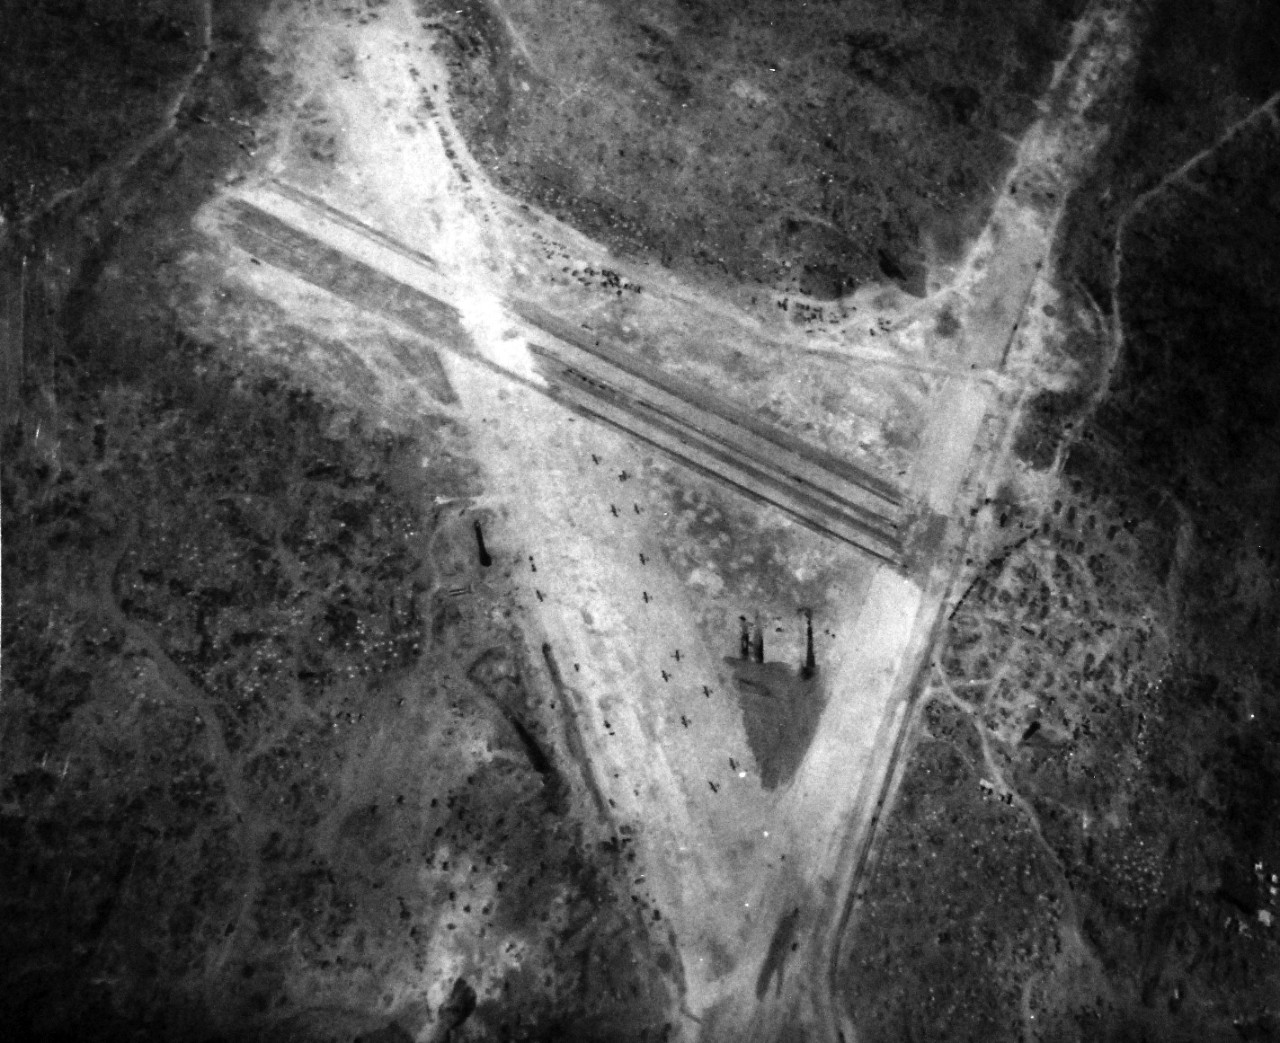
221 680
240 739
499 680
1122 663
1052 419
962 908
948 325
810 148
79 84
203 588
1193 406
1146 766
1194 76
1045 424
259 758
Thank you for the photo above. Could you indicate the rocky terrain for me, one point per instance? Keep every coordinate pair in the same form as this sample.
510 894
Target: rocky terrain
1086 824
809 147
282 753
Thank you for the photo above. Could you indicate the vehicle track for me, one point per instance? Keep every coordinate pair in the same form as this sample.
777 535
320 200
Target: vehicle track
714 437
828 822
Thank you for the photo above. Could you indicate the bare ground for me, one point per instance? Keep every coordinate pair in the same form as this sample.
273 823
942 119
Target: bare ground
621 569
609 597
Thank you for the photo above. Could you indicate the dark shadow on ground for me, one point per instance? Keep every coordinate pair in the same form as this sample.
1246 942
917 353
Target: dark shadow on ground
780 709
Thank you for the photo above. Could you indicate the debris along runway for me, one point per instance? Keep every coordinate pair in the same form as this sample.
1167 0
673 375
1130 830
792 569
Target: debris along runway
375 272
755 885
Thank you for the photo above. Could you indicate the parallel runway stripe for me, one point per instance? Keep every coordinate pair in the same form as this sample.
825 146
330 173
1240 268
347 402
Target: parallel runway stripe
702 431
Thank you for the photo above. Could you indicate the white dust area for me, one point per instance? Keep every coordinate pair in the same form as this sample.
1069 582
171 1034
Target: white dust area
397 174
707 852
997 275
492 333
713 856
353 358
461 953
960 408
413 180
990 285
480 310
865 677
1009 268
997 283
869 675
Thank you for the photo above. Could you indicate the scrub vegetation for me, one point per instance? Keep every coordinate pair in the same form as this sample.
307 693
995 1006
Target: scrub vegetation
274 766
1102 709
274 762
810 148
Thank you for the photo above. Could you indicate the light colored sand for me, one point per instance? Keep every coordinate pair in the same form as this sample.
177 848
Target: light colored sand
723 865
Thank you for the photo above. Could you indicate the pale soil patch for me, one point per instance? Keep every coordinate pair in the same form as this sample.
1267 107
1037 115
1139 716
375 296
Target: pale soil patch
404 168
864 678
724 859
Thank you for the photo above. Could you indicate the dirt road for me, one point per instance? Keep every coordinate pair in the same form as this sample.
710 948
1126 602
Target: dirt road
754 884
300 233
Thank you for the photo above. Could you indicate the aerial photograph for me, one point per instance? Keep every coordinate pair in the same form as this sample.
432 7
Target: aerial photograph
575 521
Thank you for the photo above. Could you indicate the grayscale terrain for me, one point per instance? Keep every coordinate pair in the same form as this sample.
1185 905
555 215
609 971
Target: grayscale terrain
685 520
